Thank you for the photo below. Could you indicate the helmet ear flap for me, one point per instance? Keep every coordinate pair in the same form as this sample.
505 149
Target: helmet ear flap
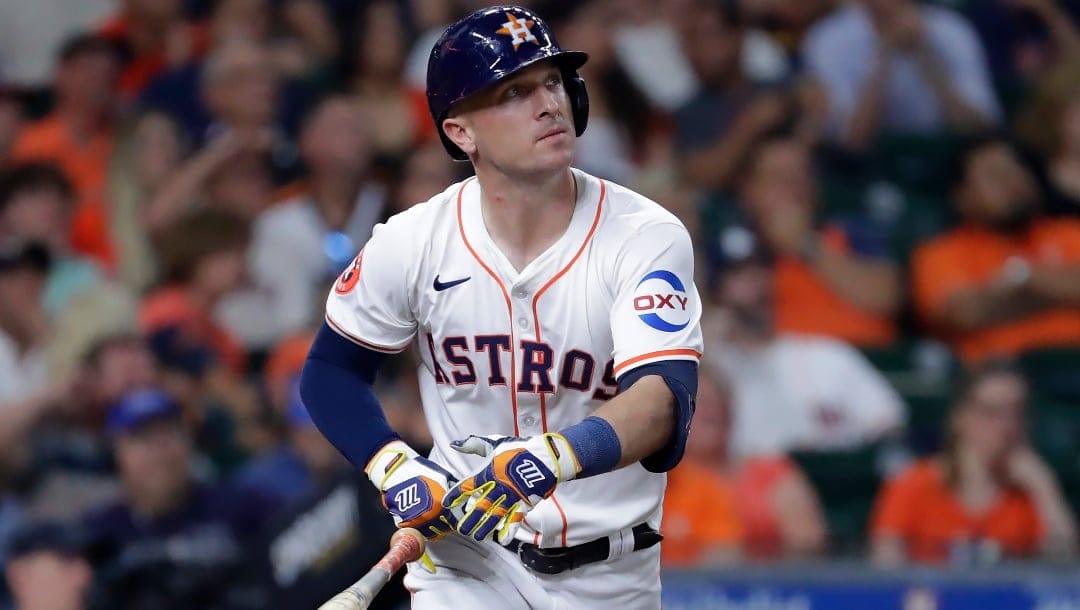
579 101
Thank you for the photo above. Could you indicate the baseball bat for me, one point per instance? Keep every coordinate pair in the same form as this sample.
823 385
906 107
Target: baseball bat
406 545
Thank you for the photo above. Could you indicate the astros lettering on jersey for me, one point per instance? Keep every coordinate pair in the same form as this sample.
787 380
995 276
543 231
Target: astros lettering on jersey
523 352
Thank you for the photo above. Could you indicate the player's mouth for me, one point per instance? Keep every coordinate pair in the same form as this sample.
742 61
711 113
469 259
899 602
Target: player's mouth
552 133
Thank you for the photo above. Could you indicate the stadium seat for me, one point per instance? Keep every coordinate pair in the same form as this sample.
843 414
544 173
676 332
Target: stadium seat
847 483
923 372
1054 373
1055 433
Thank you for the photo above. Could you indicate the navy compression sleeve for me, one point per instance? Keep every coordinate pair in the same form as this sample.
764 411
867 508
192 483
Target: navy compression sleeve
335 386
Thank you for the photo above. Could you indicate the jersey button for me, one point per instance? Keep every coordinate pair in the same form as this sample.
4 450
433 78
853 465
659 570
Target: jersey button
520 293
529 421
523 323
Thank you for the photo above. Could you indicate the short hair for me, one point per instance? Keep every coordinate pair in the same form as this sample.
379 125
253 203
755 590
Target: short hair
967 147
34 176
978 373
87 44
197 236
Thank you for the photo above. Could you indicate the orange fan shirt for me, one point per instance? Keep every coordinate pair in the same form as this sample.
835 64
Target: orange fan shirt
86 165
806 304
699 513
918 507
972 257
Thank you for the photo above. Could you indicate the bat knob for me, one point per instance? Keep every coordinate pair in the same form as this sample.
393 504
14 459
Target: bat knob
412 539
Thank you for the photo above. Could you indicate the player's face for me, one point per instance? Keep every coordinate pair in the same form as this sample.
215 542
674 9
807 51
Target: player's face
523 125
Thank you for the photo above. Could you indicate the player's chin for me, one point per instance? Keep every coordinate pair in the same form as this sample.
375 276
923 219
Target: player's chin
554 154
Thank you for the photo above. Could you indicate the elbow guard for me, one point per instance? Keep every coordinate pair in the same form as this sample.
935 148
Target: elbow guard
681 378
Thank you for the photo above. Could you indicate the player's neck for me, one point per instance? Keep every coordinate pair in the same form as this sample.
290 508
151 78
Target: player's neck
525 218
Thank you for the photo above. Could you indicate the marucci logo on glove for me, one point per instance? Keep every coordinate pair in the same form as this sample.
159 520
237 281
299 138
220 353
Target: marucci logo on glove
408 498
529 472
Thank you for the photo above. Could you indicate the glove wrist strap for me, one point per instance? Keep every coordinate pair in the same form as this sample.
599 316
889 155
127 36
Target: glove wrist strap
387 460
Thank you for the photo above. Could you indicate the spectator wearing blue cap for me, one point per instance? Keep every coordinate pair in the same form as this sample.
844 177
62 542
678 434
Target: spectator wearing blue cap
172 541
47 567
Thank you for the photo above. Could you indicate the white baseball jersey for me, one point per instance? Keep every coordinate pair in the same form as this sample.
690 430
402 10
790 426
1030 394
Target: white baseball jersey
519 353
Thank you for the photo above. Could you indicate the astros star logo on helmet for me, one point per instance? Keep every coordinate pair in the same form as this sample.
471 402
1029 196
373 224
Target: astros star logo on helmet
518 29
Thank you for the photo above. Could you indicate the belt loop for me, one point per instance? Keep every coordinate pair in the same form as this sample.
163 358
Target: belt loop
621 543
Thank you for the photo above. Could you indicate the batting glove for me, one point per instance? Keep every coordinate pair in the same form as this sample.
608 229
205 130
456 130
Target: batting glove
520 473
413 490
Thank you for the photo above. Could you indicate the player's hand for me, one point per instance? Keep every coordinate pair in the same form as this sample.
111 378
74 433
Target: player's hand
520 473
413 489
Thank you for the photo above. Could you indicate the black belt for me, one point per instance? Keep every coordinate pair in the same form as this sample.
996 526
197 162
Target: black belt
560 559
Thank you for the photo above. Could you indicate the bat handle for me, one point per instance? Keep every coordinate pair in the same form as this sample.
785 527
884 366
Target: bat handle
406 545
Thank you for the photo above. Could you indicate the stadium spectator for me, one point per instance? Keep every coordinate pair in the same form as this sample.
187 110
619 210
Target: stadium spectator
987 496
78 136
47 568
1025 38
893 66
776 506
172 541
148 151
203 260
27 391
730 113
1008 278
398 116
237 89
36 204
425 173
301 244
11 119
789 391
696 487
304 463
620 120
832 279
1054 103
156 37
31 34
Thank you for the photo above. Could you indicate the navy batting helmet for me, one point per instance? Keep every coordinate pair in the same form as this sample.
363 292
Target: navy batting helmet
488 46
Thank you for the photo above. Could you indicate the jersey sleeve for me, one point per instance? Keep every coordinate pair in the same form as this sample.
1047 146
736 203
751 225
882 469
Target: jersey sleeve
370 302
656 314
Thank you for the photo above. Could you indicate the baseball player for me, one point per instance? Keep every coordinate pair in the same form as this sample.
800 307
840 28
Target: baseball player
557 322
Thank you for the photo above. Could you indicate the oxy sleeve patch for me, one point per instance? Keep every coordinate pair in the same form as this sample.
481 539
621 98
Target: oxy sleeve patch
661 301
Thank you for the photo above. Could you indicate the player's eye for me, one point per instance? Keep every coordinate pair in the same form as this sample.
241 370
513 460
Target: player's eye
514 91
554 80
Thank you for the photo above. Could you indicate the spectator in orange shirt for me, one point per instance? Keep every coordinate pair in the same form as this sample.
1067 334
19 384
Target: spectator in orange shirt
776 505
986 496
1008 278
78 136
701 524
202 261
826 282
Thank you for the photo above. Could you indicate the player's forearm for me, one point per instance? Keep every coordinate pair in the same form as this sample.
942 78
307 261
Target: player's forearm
643 418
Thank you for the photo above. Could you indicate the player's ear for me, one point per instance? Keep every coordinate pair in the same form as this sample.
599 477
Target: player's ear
458 130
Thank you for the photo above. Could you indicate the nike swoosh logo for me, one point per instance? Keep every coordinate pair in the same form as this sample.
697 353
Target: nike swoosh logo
440 286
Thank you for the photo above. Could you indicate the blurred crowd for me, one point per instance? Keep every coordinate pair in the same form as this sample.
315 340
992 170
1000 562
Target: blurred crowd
884 194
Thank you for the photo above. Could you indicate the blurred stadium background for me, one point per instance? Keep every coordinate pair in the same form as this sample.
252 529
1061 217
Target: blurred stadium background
885 198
